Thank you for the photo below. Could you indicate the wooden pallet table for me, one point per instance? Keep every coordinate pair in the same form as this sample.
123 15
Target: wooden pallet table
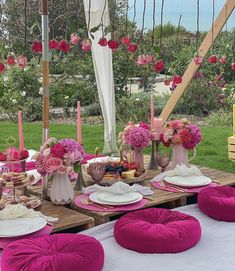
169 199
69 220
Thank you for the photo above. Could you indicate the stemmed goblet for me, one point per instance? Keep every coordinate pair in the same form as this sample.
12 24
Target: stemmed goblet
163 159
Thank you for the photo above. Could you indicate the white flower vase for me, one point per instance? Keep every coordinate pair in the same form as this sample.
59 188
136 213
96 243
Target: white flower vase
61 189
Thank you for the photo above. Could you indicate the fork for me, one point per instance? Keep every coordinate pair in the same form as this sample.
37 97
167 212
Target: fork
89 202
179 189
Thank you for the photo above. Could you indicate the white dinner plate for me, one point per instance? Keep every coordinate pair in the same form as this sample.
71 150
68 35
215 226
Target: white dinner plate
189 181
21 226
116 199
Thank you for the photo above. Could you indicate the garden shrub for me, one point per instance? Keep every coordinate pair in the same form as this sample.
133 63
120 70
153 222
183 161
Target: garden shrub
201 98
19 90
137 107
220 118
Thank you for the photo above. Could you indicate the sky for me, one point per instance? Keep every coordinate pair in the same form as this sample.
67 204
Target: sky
188 9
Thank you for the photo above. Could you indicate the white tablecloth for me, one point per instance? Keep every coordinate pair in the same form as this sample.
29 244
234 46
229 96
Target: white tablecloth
214 252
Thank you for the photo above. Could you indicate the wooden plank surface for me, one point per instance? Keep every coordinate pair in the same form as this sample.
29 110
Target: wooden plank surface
68 218
159 196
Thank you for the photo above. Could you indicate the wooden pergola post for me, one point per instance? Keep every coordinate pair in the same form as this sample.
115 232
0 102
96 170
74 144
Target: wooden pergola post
203 50
45 82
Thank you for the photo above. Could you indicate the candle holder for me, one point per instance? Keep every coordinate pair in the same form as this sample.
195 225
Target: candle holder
153 164
45 187
80 180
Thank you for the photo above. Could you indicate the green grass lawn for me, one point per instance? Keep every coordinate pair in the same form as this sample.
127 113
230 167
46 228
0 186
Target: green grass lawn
211 152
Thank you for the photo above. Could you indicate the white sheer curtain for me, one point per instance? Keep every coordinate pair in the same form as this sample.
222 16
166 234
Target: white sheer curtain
102 61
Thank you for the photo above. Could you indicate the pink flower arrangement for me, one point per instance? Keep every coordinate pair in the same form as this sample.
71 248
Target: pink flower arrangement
181 132
137 136
13 154
58 156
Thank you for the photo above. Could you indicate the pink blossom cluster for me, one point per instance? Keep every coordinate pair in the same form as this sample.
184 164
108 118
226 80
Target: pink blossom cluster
181 132
137 136
58 156
13 154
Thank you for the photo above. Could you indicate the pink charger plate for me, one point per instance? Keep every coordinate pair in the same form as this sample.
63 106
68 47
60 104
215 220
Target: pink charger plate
45 231
120 208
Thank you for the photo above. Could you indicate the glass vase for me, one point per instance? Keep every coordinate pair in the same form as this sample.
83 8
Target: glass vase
61 189
137 156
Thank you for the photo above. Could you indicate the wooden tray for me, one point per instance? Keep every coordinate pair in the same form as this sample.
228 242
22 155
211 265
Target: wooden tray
108 181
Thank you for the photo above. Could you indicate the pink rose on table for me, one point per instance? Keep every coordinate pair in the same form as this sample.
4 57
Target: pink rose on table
24 154
176 124
57 151
144 125
13 154
53 164
185 135
3 156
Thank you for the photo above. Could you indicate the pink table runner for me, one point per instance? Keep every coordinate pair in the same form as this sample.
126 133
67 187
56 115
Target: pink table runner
120 208
45 231
189 189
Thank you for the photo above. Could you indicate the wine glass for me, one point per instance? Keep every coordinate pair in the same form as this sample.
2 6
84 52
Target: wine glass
96 171
163 159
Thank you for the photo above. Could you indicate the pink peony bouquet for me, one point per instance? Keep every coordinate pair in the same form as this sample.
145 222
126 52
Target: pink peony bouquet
58 156
137 136
181 132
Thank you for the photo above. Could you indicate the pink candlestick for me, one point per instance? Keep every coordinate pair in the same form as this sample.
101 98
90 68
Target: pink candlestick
158 123
20 130
152 111
79 130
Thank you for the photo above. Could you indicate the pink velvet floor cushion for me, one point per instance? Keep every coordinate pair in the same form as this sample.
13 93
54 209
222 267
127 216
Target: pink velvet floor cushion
59 252
218 202
157 230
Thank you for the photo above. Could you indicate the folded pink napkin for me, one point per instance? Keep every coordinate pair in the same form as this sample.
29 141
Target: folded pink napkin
119 208
45 231
189 189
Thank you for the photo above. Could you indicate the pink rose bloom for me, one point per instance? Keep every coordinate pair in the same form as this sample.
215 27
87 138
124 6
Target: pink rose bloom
144 59
176 124
53 164
86 45
126 41
185 135
176 139
12 154
41 164
22 61
144 125
74 39
58 151
198 60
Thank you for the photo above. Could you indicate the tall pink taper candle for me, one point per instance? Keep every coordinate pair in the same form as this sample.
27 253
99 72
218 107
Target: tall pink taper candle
79 124
152 111
20 130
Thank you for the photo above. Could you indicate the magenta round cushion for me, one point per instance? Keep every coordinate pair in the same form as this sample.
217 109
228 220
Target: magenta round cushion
59 252
218 202
157 230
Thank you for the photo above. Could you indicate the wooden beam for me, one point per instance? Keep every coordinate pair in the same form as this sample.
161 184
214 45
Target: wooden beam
203 50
